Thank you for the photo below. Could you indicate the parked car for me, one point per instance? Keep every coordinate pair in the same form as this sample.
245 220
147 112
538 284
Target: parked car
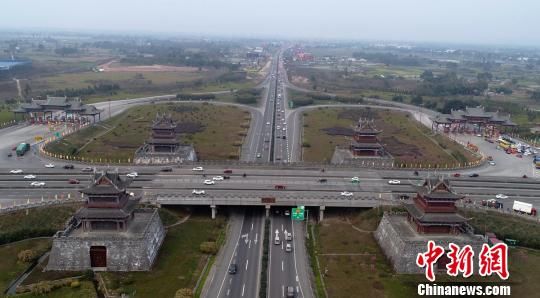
69 167
73 181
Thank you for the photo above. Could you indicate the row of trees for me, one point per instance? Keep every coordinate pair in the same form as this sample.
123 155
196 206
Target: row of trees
101 88
449 84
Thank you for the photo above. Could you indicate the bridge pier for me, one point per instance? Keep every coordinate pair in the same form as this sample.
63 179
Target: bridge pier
321 213
214 211
267 209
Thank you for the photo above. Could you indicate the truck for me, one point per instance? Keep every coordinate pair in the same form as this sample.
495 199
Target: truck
523 207
492 203
22 149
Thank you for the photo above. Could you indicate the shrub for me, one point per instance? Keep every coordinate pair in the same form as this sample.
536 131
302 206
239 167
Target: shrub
26 256
306 145
75 284
184 293
43 287
209 247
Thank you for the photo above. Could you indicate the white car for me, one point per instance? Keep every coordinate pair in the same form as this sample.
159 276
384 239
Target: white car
394 182
36 183
29 177
218 178
288 247
492 163
49 165
198 169
284 129
258 155
18 171
209 182
501 196
267 123
287 213
198 192
346 194
278 127
132 175
355 179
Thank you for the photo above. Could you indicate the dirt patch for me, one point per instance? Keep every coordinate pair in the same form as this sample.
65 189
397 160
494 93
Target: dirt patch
355 114
339 131
400 149
189 127
114 66
299 80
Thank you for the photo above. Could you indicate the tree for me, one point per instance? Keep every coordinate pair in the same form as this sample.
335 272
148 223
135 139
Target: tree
484 76
427 75
397 98
417 100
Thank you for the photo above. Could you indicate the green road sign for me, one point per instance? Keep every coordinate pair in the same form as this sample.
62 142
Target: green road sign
57 134
291 104
298 213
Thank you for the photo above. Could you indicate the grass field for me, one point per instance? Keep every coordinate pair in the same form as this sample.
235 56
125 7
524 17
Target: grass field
119 137
179 262
86 290
10 267
404 138
361 267
6 115
43 221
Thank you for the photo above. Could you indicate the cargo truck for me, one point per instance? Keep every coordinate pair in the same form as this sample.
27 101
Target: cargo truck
523 207
22 149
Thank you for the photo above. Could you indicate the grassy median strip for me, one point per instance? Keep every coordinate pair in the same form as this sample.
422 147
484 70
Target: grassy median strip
312 252
264 264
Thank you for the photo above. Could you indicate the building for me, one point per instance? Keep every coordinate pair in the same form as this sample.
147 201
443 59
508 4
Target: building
109 233
163 146
431 216
365 139
475 120
41 111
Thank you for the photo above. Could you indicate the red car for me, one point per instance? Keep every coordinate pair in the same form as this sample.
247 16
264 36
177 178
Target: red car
74 181
457 175
227 172
279 187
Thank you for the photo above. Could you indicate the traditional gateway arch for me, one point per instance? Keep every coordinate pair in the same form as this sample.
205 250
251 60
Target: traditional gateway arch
43 110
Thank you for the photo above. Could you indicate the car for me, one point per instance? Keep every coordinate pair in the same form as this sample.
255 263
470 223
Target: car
17 171
9 154
217 178
394 182
290 292
473 175
29 177
284 129
209 182
232 269
36 183
279 187
69 167
198 192
524 176
355 179
479 135
346 194
492 163
267 123
457 175
288 247
74 181
259 155
87 169
49 165
14 148
226 177
166 169
519 155
284 137
501 196
287 213
277 241
323 180
227 172
198 169
132 175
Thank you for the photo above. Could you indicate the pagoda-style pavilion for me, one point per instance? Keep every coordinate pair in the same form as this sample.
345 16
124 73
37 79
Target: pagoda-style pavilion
477 118
109 232
433 209
365 139
42 110
163 146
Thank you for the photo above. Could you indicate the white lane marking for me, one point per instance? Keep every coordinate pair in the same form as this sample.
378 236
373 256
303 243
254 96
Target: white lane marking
256 234
243 287
282 266
228 292
230 280
247 262
230 261
294 256
249 244
281 245
252 226
282 227
282 291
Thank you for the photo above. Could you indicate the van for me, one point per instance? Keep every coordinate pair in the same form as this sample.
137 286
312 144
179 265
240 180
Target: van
276 241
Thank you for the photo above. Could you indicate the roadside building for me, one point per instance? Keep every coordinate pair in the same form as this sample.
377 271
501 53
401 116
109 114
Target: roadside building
69 109
474 120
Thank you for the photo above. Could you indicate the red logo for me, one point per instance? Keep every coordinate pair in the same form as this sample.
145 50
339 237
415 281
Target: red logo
461 260
494 260
429 258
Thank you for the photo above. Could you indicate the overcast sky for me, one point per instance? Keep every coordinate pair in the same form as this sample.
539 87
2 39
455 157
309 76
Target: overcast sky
511 22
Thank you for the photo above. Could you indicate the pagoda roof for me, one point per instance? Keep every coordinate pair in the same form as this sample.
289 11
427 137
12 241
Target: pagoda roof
365 126
106 183
108 213
366 145
162 141
434 217
163 122
437 188
58 101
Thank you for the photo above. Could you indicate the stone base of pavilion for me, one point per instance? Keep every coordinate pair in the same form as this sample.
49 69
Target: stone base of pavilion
401 243
133 250
144 156
344 156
